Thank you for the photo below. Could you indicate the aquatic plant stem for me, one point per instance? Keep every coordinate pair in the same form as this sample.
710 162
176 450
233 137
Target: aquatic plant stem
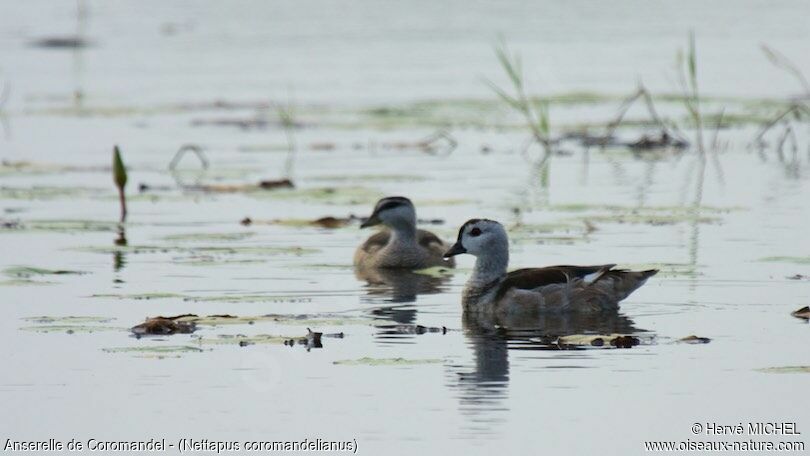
537 119
122 198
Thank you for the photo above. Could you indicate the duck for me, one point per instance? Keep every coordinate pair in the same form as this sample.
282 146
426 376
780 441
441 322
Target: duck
493 291
400 245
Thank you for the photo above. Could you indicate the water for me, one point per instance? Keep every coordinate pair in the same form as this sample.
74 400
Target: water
726 242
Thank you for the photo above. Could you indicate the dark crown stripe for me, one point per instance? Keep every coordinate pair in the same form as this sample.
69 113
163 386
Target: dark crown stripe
391 202
465 225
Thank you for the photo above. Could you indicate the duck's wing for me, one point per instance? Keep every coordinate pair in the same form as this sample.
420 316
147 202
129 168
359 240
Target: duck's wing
531 278
577 288
376 241
434 245
429 240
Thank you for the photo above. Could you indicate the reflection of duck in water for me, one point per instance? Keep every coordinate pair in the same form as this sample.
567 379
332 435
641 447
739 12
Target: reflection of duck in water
398 286
483 386
401 245
537 291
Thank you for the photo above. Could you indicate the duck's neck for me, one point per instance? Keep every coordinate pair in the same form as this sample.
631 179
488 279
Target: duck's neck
489 268
403 233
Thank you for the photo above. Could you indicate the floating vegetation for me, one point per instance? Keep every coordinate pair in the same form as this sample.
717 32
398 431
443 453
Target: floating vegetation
694 340
156 351
139 296
328 222
209 237
264 148
28 272
654 215
229 298
386 362
70 328
59 226
15 168
68 319
787 259
211 250
550 232
69 324
188 323
785 370
243 340
341 196
586 207
41 192
23 282
654 219
210 260
301 319
367 178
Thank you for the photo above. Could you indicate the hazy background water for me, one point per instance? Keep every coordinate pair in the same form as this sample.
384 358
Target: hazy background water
149 60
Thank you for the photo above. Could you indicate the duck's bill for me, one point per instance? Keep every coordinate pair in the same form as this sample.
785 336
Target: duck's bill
456 249
371 221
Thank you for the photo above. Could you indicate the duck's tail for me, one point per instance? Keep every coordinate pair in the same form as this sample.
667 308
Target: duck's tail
620 283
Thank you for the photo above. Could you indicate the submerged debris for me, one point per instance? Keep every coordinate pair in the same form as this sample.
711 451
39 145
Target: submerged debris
410 329
328 221
624 342
578 341
165 326
333 222
664 140
693 339
440 142
311 340
322 146
273 184
61 42
803 313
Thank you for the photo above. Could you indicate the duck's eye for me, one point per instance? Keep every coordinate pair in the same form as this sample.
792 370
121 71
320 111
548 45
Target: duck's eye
475 232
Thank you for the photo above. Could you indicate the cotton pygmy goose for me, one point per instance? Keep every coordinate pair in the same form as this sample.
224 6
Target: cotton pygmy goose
400 244
530 291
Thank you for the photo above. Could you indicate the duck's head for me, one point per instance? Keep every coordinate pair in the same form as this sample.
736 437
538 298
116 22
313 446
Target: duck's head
392 211
480 237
